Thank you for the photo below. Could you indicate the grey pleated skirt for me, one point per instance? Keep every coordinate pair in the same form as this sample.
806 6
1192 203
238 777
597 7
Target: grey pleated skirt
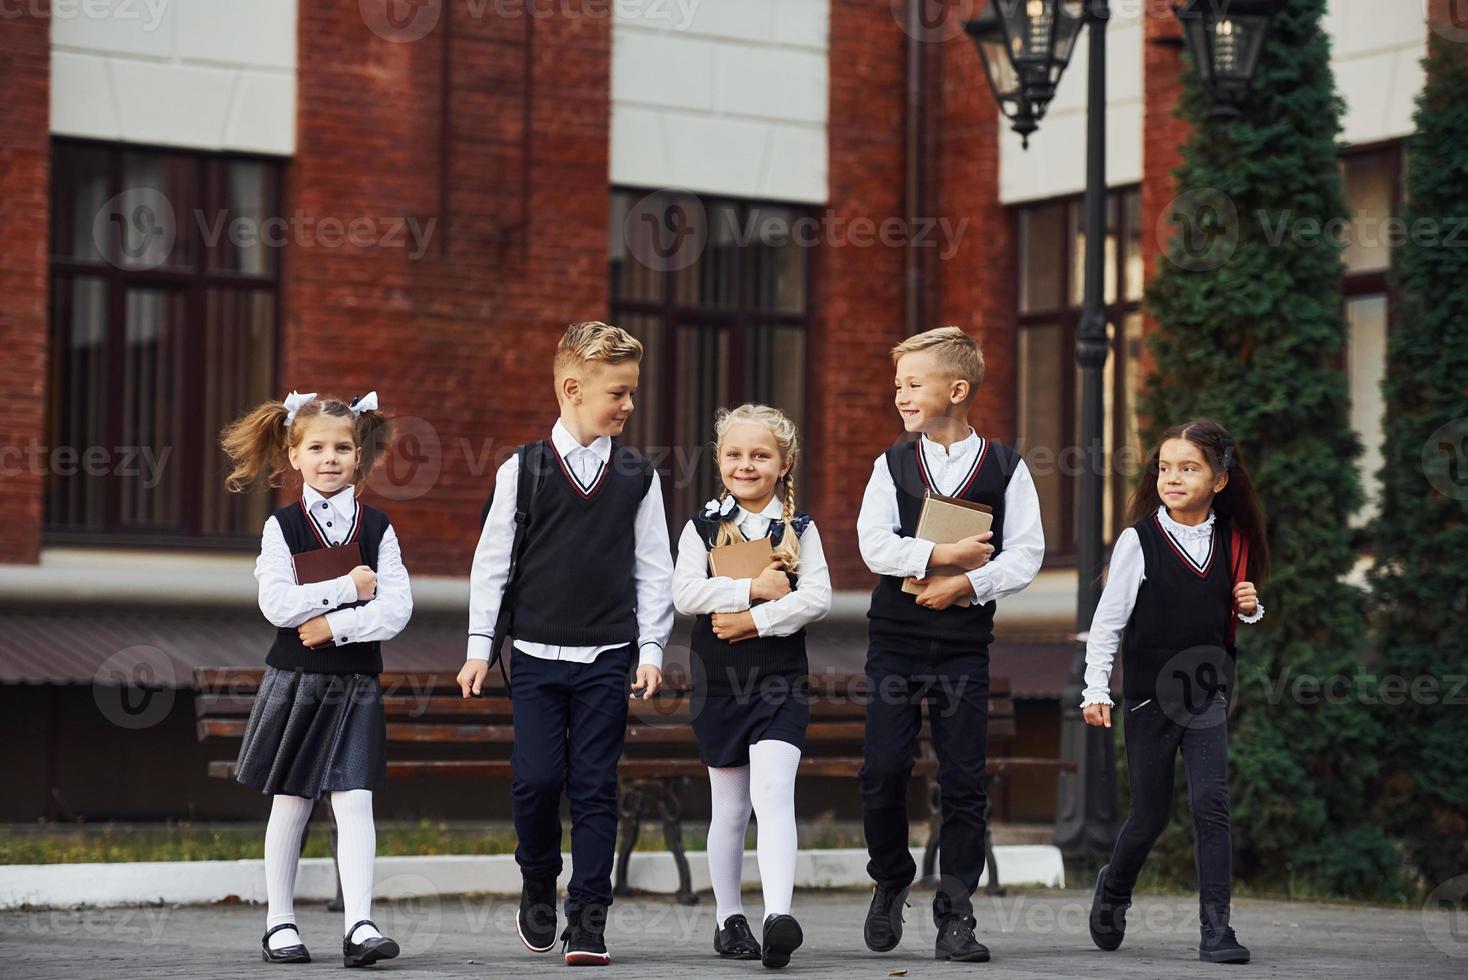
313 734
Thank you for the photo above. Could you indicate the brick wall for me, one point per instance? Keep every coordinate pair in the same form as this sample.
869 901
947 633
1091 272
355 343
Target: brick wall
25 160
461 338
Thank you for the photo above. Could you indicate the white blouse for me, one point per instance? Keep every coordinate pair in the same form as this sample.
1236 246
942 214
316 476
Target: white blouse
287 605
1128 572
696 593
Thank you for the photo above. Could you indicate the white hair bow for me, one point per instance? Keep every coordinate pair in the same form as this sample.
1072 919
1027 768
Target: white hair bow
364 403
293 403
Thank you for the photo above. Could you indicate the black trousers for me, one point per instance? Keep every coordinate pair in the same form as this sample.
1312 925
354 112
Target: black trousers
1153 738
954 685
570 724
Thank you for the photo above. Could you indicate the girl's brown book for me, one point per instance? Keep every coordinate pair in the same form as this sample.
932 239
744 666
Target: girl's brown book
325 564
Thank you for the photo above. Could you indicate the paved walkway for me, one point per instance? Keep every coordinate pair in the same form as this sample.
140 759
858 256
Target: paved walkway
1031 933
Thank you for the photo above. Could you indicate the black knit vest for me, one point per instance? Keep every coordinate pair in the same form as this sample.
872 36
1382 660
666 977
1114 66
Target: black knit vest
896 614
575 584
288 652
1178 606
721 668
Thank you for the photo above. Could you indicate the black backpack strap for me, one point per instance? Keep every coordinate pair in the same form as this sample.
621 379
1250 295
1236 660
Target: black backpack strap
531 479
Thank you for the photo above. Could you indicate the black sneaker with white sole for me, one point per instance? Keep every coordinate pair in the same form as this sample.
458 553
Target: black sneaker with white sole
536 922
584 939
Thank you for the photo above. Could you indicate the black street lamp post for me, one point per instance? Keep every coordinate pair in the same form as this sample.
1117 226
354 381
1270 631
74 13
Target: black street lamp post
1025 46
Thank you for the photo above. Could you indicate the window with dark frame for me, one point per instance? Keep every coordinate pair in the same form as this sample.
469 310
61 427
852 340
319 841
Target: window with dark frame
1052 241
164 305
722 324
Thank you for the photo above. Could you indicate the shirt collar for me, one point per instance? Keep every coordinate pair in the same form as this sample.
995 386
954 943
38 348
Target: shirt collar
772 510
566 443
1201 530
343 502
970 441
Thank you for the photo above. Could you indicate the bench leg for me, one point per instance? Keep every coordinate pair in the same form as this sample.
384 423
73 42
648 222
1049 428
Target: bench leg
935 826
631 818
672 806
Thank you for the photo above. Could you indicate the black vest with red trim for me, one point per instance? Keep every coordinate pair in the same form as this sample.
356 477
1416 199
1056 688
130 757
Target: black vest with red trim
1179 605
288 652
576 584
721 668
895 613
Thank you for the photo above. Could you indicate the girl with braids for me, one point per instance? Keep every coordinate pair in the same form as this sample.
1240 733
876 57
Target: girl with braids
1182 574
750 709
317 726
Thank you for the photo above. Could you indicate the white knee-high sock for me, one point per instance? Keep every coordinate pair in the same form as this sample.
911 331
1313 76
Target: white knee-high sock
729 792
288 817
772 768
356 851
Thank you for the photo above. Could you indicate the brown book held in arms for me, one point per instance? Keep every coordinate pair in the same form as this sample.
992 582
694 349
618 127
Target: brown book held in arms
325 564
745 559
945 520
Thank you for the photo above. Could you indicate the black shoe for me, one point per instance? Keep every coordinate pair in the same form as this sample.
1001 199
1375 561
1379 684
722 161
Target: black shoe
735 940
536 921
368 951
1221 946
956 941
1108 915
782 937
883 930
288 954
584 939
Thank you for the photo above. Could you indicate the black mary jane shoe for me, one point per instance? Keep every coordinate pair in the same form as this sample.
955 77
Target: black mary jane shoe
368 951
782 937
288 954
736 940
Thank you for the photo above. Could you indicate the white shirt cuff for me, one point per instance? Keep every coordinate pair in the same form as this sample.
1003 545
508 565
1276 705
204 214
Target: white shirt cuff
1093 695
341 622
1258 613
741 594
983 588
650 653
346 591
761 616
480 647
920 556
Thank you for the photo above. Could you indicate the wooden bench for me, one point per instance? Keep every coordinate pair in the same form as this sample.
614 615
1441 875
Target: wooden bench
658 764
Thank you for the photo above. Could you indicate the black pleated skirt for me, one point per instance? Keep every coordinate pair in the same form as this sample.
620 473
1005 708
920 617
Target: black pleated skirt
313 734
726 725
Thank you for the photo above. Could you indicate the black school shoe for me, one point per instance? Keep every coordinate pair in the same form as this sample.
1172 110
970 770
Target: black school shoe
1221 946
1108 915
584 939
957 943
287 954
368 951
782 937
536 923
735 940
883 929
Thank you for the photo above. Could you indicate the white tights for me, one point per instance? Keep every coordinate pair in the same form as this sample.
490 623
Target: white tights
766 786
356 849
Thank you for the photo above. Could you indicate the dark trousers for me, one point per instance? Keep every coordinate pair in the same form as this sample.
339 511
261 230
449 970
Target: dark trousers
570 723
1152 742
954 685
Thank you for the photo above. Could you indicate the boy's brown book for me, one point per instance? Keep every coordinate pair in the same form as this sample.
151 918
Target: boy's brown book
744 559
325 564
945 520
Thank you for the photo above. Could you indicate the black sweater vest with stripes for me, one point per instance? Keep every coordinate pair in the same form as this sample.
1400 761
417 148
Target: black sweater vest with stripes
288 652
895 614
1179 606
576 581
721 668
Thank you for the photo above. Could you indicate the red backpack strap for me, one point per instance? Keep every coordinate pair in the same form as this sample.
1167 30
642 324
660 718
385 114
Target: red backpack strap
1238 554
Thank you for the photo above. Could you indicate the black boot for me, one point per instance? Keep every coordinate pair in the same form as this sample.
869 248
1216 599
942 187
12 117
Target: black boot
584 939
536 921
1108 915
1217 942
782 937
286 954
957 943
368 951
883 930
736 940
